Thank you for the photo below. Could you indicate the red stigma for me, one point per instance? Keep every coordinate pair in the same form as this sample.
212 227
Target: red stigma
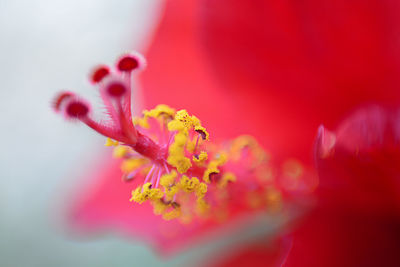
116 89
61 99
128 63
77 109
99 73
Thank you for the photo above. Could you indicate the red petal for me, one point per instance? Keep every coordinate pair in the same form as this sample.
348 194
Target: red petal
180 74
294 66
363 172
339 237
356 221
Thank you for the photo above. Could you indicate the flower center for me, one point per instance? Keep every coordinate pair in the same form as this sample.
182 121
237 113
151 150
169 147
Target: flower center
167 156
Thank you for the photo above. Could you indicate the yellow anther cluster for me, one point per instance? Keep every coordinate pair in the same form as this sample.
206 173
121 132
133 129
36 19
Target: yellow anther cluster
141 121
145 192
159 207
121 151
110 142
167 207
188 185
168 179
182 123
202 157
202 131
247 141
193 185
168 211
160 110
188 121
132 164
170 192
183 184
176 156
202 207
201 190
225 179
168 182
172 214
212 167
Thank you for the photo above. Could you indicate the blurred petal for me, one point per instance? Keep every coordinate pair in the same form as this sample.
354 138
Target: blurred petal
179 76
297 65
363 170
265 254
356 221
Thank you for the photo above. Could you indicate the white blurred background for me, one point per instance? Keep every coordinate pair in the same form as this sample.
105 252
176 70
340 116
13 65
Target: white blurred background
45 46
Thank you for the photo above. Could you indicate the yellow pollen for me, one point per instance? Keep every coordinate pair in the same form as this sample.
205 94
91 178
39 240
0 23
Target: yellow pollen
176 126
121 151
129 165
170 192
202 207
110 142
246 141
142 122
173 214
188 185
202 131
160 110
176 156
201 190
159 207
213 165
226 178
188 121
202 157
143 193
168 179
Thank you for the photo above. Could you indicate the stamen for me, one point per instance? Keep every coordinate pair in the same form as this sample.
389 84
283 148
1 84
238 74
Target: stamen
150 174
158 178
183 175
195 146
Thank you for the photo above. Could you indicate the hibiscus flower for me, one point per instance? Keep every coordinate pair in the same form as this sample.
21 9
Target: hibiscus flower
182 185
288 66
275 70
